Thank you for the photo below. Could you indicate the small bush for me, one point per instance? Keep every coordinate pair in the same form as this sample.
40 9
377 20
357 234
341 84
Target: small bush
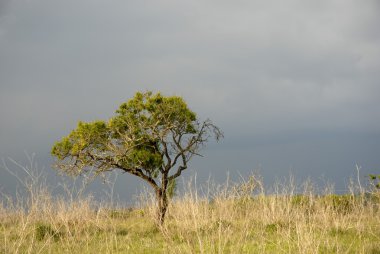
339 203
300 200
43 231
276 226
122 232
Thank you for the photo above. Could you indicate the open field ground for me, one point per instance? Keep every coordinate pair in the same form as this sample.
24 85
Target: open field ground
234 218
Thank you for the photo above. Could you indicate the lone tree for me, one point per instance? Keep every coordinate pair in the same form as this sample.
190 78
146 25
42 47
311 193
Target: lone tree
152 137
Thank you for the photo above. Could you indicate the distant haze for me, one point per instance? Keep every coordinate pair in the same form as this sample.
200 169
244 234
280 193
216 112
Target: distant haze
295 85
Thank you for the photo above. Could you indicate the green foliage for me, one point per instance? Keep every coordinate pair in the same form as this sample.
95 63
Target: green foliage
339 203
134 138
150 135
340 232
300 200
274 227
375 181
43 231
122 232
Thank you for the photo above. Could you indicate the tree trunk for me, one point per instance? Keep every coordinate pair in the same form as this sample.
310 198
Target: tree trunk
162 201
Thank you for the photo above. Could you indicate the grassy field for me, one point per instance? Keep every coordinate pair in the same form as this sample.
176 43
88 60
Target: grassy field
231 218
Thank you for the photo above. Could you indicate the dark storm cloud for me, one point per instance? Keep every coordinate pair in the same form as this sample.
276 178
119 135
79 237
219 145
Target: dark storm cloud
3 7
262 70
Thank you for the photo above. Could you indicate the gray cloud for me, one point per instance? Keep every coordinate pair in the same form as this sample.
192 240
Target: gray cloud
257 68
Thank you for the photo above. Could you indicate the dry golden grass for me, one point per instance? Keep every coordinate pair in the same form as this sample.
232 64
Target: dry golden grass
237 222
231 218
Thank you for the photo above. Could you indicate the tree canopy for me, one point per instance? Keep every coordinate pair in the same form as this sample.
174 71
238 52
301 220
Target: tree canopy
151 136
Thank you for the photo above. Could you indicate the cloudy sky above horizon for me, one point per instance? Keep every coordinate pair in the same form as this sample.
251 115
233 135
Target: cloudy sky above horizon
294 84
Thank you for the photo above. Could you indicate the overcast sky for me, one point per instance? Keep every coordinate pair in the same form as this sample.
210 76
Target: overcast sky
295 85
